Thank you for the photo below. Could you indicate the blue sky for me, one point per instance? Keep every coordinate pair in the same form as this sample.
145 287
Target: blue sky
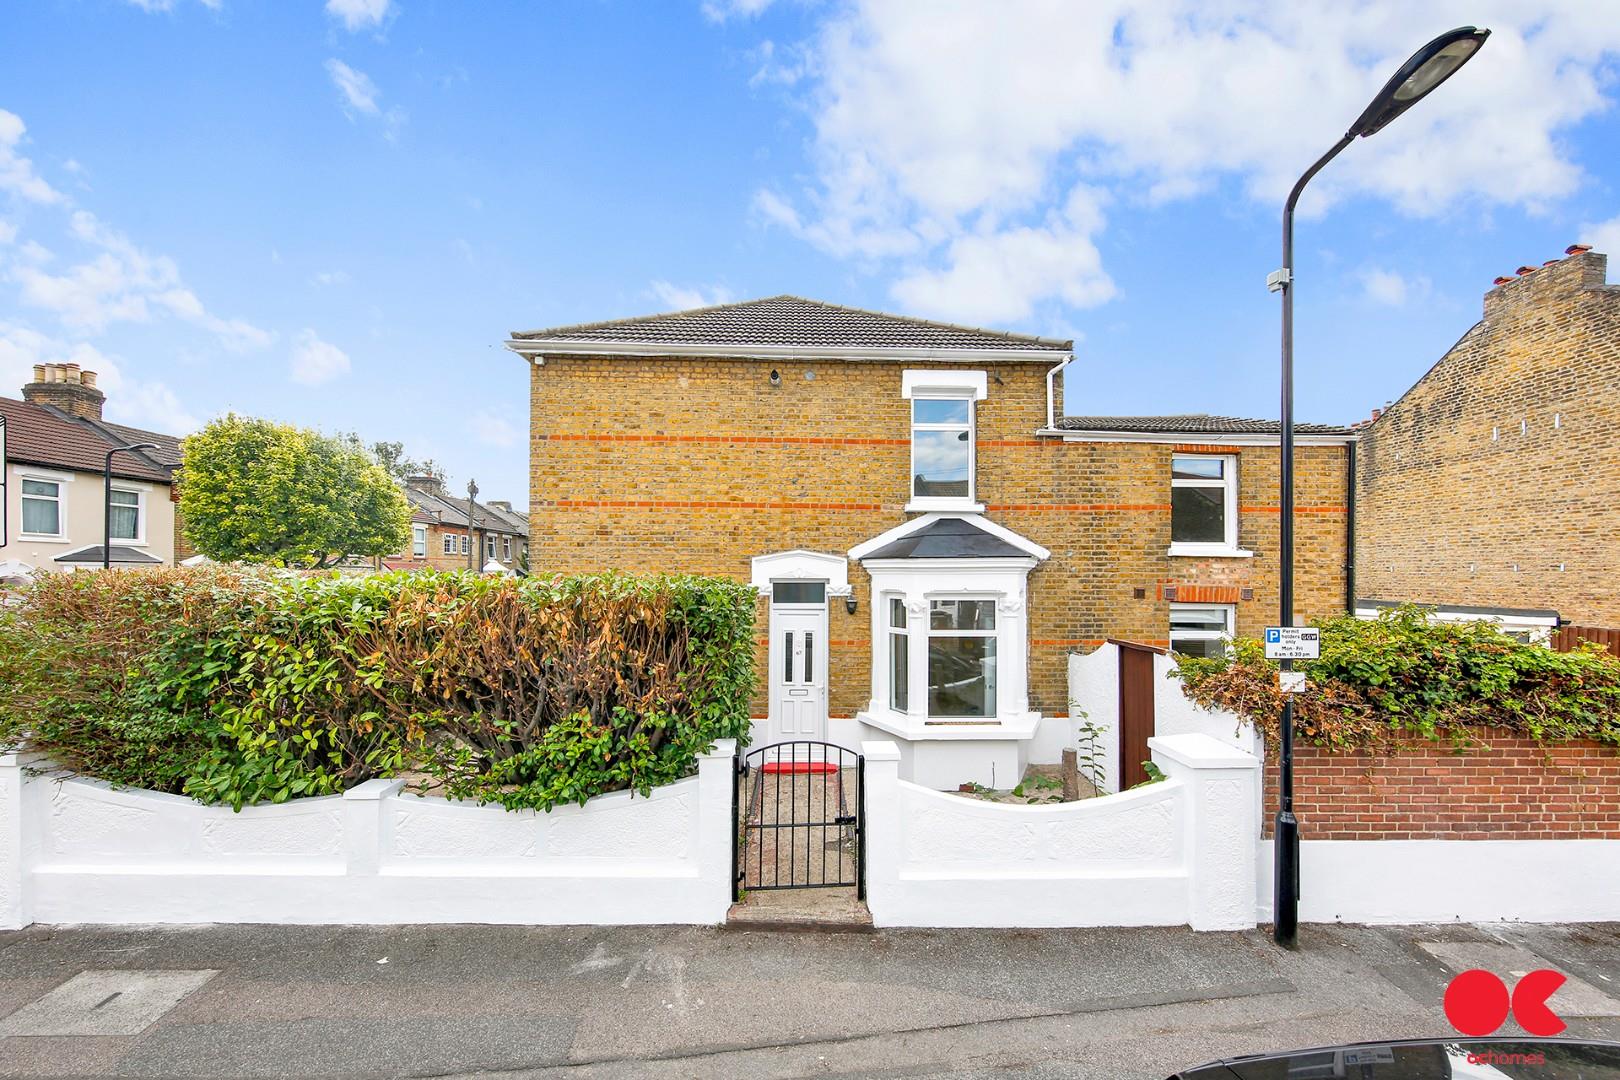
332 213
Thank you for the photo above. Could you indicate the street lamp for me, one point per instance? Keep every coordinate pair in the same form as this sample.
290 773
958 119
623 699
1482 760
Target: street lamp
1428 68
106 500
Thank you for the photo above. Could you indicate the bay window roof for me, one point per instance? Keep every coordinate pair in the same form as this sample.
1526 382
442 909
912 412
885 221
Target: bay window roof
948 538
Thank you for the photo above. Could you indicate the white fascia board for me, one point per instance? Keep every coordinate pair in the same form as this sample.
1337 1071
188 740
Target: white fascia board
1205 438
937 566
933 379
900 531
566 347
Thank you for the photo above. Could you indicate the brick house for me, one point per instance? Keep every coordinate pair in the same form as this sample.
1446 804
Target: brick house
1492 487
55 444
930 535
449 533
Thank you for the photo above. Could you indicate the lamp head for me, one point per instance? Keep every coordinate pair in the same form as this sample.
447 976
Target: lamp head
1428 68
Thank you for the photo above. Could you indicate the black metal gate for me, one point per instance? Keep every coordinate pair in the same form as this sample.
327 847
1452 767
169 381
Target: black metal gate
798 808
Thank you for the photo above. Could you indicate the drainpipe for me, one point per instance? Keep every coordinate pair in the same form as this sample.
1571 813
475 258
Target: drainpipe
1350 529
1051 419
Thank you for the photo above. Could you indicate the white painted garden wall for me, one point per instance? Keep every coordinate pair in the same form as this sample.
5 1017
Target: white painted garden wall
76 850
1179 851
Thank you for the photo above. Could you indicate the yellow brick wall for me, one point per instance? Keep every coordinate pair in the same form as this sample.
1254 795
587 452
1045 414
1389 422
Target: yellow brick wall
700 465
1471 492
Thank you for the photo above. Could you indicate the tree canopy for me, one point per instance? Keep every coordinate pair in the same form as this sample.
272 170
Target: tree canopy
257 491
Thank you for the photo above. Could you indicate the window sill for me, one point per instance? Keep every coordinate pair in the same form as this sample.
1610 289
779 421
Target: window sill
1208 551
42 538
959 506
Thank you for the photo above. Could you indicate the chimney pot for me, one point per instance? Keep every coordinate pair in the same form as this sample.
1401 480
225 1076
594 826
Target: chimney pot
1523 270
1577 249
65 387
39 372
87 378
1550 262
1377 413
70 373
1501 281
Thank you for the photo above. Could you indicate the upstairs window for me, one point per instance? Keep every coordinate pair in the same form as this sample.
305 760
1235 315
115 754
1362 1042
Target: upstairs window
419 540
961 658
489 547
1203 504
942 447
41 507
124 515
506 548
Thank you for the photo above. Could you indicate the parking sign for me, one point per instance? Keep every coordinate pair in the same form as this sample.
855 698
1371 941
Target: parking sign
1293 643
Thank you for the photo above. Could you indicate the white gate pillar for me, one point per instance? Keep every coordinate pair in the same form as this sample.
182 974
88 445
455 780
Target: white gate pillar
1222 827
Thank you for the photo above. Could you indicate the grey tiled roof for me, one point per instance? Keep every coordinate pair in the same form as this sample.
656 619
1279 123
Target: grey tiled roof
947 538
1192 424
793 321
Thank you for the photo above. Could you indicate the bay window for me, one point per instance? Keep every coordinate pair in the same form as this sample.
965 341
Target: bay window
899 656
41 507
961 658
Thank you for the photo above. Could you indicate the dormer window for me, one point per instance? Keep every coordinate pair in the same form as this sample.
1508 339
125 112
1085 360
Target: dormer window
943 438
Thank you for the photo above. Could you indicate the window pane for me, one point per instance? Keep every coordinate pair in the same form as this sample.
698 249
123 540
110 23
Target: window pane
799 592
962 615
939 411
787 657
1198 515
962 676
124 522
41 487
897 613
942 460
1209 647
40 515
1190 618
809 656
899 672
125 498
1198 468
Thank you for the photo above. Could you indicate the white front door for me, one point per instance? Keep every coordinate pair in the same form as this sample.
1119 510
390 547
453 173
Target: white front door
798 673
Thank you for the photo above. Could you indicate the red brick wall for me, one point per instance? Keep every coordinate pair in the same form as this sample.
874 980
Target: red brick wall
1515 790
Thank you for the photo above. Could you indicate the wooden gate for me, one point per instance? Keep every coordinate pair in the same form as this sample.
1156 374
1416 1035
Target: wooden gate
1135 709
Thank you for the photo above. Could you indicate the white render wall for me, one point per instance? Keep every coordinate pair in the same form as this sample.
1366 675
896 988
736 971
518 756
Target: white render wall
76 850
1179 851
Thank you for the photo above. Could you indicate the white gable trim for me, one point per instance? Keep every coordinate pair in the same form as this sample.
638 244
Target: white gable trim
944 381
860 551
801 565
539 349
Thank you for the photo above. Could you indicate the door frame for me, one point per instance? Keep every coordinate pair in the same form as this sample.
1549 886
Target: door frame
798 564
821 683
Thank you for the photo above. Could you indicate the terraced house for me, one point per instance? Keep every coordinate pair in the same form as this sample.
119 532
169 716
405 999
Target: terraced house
930 533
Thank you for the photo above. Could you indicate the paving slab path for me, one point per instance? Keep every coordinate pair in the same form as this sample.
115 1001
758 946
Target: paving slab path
483 1001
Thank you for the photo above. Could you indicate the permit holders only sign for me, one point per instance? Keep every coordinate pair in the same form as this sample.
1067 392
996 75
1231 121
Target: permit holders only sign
1293 643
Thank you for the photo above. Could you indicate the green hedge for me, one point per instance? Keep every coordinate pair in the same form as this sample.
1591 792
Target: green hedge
1405 675
247 687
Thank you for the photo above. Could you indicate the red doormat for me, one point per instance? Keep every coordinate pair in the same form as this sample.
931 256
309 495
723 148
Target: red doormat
798 767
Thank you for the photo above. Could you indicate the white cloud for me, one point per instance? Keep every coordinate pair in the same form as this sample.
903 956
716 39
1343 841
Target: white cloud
315 361
137 402
327 278
946 132
1392 288
492 430
120 283
682 297
721 10
358 91
8 232
17 173
1603 236
358 14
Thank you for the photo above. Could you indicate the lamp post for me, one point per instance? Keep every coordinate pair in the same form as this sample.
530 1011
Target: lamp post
1426 69
106 499
473 543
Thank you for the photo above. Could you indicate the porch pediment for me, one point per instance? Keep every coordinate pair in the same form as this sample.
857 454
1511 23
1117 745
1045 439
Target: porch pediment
948 536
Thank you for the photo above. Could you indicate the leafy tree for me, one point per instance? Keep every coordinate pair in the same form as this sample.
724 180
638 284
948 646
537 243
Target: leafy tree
392 456
262 492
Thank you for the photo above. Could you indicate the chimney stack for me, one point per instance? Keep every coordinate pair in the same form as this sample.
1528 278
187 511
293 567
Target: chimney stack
426 482
1555 281
66 387
499 504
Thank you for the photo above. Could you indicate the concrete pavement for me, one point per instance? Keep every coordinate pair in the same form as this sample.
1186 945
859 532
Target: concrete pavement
252 1001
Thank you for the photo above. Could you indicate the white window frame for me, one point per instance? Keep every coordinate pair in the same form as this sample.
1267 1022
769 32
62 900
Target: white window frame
1228 546
139 540
994 634
489 546
1225 636
506 548
449 543
937 385
466 543
903 632
419 539
60 535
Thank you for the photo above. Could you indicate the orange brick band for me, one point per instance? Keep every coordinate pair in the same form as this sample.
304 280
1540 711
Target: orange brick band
1203 594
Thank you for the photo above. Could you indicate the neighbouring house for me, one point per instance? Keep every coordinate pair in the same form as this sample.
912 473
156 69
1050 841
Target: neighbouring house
56 443
931 536
1491 488
450 533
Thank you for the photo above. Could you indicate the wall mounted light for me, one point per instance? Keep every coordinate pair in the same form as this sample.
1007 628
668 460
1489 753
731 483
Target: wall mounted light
849 603
776 377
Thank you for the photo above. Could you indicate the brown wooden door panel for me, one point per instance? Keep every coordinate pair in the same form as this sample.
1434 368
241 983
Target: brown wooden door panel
1135 712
